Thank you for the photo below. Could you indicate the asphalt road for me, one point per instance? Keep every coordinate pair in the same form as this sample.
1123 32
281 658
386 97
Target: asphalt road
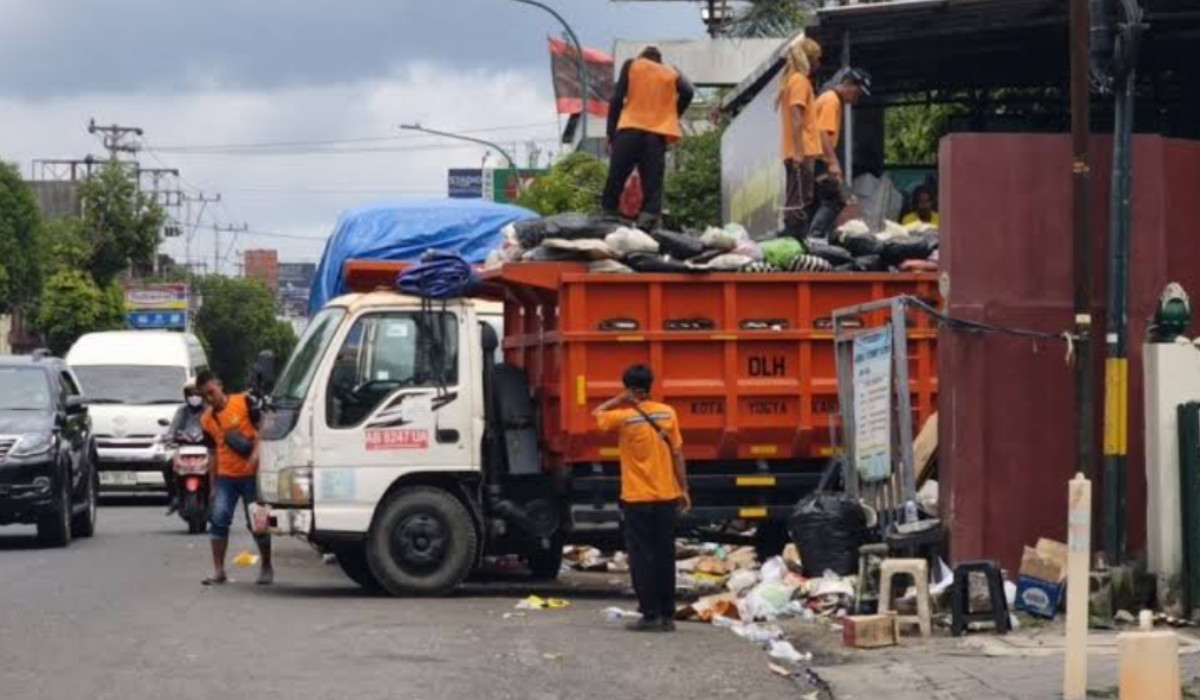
123 616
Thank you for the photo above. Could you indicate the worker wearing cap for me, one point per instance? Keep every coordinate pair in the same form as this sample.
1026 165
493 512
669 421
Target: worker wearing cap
643 120
831 189
801 143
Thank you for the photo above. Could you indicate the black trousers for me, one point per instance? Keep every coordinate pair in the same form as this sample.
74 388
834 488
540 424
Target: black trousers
634 148
832 196
799 197
650 542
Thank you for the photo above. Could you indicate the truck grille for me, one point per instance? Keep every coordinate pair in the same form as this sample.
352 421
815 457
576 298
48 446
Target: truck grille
6 444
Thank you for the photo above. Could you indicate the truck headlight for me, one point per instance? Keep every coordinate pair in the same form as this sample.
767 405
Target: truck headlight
295 486
32 445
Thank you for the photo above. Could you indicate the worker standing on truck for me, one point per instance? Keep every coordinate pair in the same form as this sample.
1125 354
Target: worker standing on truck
229 425
643 120
653 490
801 143
831 189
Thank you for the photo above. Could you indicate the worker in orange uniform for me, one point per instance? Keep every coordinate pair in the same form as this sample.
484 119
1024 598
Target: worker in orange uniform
229 426
653 489
643 120
832 192
801 142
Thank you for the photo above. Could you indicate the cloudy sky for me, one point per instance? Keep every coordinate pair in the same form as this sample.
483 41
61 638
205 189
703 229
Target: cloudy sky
289 108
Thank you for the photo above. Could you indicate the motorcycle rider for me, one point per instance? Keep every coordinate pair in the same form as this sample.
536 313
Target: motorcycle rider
188 415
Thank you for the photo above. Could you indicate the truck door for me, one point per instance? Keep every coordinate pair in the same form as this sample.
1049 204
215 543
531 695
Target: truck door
393 402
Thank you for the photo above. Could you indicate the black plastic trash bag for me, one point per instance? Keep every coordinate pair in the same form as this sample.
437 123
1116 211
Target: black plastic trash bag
530 234
678 245
828 528
652 262
870 263
858 244
835 254
896 250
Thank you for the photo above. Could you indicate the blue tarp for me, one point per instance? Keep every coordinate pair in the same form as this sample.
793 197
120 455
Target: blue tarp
404 230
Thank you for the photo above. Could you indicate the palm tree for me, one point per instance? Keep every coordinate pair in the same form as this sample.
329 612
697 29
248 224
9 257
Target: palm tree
770 18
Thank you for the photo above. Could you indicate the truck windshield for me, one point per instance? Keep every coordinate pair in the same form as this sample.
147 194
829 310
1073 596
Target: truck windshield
297 376
132 384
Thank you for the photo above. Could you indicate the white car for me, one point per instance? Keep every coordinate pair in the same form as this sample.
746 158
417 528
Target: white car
134 383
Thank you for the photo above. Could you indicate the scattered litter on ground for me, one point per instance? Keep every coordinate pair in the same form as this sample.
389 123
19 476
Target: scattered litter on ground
615 614
782 650
512 615
534 602
245 559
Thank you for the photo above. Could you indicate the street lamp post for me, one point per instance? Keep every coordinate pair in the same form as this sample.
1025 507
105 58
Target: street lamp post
512 164
583 69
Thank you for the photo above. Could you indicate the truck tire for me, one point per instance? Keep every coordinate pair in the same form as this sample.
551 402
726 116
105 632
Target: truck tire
353 561
54 525
423 542
83 523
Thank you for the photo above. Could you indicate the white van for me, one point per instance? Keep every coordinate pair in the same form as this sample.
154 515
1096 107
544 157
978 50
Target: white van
133 382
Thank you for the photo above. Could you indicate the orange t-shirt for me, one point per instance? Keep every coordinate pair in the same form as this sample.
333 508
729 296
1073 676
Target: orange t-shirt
798 92
652 103
235 416
829 115
647 467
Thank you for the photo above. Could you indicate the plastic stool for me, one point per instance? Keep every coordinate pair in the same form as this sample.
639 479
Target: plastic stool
918 569
998 608
867 591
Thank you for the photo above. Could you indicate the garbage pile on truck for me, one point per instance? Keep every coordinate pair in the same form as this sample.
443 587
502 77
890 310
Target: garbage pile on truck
610 245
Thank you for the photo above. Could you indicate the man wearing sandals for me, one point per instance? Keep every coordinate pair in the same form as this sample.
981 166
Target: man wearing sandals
229 425
653 490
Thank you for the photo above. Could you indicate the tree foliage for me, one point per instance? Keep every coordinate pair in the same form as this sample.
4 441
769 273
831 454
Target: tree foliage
574 184
237 321
20 246
765 19
693 187
121 225
912 132
73 304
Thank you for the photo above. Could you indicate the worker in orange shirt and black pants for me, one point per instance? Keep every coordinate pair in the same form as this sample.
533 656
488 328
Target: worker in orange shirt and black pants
643 120
653 489
831 188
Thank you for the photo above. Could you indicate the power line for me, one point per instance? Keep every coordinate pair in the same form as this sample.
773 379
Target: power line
264 234
333 142
262 153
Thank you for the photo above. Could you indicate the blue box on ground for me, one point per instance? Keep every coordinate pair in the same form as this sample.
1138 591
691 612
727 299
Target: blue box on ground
1038 597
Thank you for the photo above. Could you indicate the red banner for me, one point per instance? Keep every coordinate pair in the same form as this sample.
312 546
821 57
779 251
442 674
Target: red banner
568 91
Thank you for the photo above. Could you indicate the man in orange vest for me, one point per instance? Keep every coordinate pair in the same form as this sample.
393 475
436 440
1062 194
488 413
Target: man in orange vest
643 120
831 189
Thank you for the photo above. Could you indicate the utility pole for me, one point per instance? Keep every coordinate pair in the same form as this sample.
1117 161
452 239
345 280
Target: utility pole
217 231
1080 176
203 200
512 164
117 138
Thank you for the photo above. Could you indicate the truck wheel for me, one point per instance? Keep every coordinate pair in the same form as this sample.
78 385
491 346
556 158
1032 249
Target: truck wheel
423 542
353 561
54 525
83 524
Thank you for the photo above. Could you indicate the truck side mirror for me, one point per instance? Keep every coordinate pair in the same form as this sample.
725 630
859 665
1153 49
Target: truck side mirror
76 405
264 371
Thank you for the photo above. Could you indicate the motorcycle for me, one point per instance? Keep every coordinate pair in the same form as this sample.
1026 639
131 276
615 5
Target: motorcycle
190 466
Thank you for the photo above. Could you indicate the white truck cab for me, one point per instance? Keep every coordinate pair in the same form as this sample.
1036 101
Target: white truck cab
378 416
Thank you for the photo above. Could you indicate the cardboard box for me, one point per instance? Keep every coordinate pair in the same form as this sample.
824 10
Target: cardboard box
1046 562
1040 598
870 631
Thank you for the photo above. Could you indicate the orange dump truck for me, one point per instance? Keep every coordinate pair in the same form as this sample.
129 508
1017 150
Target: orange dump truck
412 438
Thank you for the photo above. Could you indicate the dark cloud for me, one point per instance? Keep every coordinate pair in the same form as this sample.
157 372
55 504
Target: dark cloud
65 47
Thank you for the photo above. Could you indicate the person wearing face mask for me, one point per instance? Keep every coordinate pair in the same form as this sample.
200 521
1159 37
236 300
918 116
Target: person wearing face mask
186 416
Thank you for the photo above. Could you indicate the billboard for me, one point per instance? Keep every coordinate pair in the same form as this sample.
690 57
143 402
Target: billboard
157 297
751 170
492 184
295 282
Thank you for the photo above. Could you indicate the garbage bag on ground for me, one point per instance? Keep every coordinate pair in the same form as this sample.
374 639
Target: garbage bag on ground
719 239
569 225
773 570
780 252
742 580
650 262
835 254
828 528
766 601
624 241
544 254
678 245
782 650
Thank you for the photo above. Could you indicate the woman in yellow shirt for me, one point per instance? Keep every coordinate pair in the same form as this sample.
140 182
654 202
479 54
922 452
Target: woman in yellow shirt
923 210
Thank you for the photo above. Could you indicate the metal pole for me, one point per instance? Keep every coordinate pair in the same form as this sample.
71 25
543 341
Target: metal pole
583 69
1116 398
512 164
848 118
1080 176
